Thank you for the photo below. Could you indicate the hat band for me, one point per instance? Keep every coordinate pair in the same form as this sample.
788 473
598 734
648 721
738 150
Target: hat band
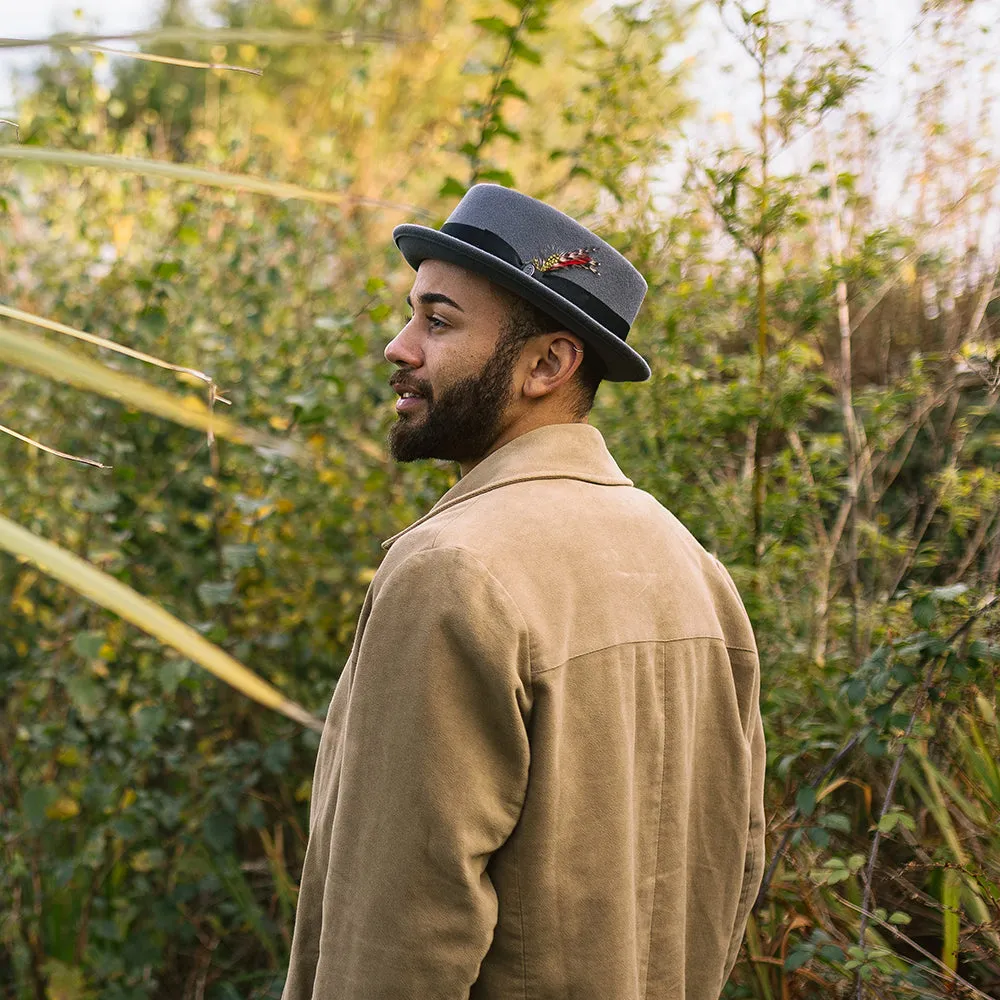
483 239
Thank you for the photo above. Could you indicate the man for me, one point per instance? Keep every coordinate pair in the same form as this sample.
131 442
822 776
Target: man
541 774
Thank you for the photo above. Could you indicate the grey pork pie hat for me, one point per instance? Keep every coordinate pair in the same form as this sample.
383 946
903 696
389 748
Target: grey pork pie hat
546 257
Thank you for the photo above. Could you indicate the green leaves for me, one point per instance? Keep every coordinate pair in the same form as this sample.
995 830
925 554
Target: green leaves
115 596
805 801
495 26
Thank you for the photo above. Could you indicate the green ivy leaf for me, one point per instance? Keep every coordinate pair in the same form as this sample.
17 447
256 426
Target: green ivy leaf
452 187
523 51
805 801
88 644
494 25
504 177
796 959
856 691
836 821
924 612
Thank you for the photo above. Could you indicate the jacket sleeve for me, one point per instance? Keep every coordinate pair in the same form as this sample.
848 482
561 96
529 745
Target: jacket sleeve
435 767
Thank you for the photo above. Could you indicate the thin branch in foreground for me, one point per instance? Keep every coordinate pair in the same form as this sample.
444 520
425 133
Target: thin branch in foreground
14 126
890 791
91 338
52 451
171 60
949 977
198 175
348 37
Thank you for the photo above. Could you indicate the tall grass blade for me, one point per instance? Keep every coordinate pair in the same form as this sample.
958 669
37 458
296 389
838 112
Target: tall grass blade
36 355
52 451
193 175
115 596
951 918
347 37
171 60
932 797
90 338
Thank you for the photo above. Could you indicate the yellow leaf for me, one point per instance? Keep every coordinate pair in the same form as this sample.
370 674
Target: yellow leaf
65 982
69 756
366 575
143 861
63 808
128 797
304 790
121 231
24 605
280 423
284 506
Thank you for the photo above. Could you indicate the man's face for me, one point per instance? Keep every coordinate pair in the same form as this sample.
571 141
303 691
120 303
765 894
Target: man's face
453 359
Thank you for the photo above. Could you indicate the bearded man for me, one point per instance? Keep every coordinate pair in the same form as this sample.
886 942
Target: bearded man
541 775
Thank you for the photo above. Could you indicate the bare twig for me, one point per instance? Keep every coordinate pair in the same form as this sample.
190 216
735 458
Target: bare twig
219 36
52 451
90 338
171 60
824 771
894 776
948 975
14 126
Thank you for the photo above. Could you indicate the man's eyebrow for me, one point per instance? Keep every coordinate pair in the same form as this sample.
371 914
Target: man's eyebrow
430 298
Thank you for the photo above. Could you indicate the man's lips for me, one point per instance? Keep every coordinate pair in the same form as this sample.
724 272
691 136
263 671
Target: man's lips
407 403
410 397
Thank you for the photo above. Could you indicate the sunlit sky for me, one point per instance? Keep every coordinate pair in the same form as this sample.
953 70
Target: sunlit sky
721 77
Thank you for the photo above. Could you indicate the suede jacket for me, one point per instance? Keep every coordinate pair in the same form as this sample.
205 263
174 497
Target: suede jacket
541 775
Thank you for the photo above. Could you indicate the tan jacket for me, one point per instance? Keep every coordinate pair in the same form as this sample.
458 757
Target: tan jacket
541 776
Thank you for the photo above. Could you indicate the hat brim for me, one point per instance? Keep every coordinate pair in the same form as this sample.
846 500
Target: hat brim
420 243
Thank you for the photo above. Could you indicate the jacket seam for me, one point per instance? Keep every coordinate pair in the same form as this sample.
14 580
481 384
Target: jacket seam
637 642
656 854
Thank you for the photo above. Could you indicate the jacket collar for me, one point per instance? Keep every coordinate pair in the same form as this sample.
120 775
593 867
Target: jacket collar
556 451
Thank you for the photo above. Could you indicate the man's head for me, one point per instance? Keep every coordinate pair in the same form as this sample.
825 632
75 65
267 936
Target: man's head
484 366
519 312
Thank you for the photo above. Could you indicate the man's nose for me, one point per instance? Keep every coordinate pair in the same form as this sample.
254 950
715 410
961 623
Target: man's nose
402 350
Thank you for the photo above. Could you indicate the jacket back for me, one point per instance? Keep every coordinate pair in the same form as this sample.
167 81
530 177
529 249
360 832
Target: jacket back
542 771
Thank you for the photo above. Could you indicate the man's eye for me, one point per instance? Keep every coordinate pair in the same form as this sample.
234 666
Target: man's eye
434 322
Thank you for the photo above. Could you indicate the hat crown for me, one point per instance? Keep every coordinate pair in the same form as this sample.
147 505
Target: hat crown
537 231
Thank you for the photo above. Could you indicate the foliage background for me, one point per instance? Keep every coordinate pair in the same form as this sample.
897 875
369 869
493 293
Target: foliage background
822 415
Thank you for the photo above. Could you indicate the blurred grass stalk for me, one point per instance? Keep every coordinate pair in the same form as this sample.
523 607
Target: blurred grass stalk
115 596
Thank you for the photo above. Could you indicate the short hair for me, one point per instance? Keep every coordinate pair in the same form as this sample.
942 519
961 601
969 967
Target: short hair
524 321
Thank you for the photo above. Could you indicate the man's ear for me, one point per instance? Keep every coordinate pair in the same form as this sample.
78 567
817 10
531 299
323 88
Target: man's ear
552 364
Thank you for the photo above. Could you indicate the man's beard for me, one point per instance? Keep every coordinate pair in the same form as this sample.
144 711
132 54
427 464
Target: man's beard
466 419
